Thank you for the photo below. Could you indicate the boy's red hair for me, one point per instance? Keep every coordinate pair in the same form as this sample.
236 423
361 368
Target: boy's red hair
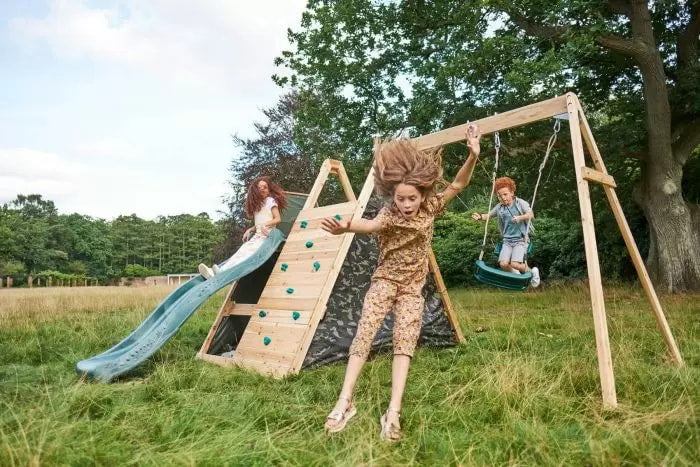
504 182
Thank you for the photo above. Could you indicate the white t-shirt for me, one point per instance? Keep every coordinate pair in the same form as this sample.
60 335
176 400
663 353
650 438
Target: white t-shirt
264 214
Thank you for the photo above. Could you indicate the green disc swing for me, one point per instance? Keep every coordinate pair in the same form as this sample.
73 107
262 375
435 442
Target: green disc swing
497 277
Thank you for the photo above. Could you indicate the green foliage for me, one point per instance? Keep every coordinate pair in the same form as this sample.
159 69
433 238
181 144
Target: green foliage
10 268
372 67
136 270
33 234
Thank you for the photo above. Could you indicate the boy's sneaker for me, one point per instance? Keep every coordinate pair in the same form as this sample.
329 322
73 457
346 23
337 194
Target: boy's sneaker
535 281
216 269
206 271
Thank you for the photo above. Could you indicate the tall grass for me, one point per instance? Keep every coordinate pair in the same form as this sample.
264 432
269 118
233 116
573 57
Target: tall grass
522 390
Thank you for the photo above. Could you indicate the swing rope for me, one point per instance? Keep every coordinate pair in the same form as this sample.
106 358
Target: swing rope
497 147
550 145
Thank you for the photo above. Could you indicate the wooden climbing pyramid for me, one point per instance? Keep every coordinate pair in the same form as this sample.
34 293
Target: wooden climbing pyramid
283 322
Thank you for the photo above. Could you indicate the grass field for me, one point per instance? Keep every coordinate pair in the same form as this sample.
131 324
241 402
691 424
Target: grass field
525 391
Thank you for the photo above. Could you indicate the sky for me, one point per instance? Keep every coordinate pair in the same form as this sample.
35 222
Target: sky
128 107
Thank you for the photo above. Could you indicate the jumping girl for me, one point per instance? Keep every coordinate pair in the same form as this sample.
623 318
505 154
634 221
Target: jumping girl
407 177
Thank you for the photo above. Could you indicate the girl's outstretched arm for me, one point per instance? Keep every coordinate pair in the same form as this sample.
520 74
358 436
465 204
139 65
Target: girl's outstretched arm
331 225
473 136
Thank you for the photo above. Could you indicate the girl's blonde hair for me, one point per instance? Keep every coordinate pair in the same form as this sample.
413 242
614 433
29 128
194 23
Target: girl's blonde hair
399 161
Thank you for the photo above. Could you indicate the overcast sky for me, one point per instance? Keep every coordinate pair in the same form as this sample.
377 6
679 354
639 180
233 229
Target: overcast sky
120 107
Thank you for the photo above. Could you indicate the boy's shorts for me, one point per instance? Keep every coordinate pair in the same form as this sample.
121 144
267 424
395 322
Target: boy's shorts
513 251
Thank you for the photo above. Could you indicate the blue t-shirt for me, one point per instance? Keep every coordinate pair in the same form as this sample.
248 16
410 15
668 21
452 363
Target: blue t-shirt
509 229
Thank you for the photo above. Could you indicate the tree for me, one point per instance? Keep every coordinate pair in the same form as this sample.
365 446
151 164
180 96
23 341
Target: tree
430 64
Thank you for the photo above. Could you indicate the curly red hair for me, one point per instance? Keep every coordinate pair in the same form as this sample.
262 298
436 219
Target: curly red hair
255 201
504 182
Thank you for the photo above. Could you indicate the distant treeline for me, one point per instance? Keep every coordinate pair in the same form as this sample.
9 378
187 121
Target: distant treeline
36 239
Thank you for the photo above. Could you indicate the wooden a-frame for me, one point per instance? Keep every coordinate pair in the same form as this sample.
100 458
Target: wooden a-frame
300 288
580 134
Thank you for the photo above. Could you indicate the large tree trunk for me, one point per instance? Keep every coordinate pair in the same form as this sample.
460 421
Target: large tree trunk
674 260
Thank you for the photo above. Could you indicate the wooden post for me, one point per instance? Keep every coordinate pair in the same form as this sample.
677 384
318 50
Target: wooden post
445 297
0 282
605 368
345 182
318 185
637 260
30 281
9 282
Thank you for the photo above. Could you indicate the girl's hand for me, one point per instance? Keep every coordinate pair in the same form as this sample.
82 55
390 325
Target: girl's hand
246 234
473 135
331 225
266 230
516 219
476 216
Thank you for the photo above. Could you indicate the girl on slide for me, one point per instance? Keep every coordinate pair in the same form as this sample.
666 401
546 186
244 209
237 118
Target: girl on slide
263 204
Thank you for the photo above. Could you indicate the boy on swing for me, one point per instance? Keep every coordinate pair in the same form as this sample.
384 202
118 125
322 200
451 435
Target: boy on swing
514 219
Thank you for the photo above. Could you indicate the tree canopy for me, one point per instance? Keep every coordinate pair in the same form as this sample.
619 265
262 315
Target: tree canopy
363 67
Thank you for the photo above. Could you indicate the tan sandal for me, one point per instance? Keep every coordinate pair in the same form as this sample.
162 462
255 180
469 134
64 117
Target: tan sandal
390 431
341 418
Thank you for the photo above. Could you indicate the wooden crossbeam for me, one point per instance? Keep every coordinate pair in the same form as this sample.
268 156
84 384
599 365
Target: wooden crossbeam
597 177
504 121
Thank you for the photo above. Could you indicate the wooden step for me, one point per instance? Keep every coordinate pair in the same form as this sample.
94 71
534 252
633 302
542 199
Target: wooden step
299 291
297 278
290 303
325 243
310 214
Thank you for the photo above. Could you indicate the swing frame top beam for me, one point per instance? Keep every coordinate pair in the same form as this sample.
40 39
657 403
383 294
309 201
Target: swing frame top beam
511 119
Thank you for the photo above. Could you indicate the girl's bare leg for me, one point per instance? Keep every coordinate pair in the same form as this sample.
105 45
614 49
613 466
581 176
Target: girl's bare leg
352 372
399 374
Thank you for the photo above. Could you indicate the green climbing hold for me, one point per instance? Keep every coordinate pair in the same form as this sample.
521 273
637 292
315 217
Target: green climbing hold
337 217
262 313
309 244
284 266
290 290
296 315
303 224
267 340
317 265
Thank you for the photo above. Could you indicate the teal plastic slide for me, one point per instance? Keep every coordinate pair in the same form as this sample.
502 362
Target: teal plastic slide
170 315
